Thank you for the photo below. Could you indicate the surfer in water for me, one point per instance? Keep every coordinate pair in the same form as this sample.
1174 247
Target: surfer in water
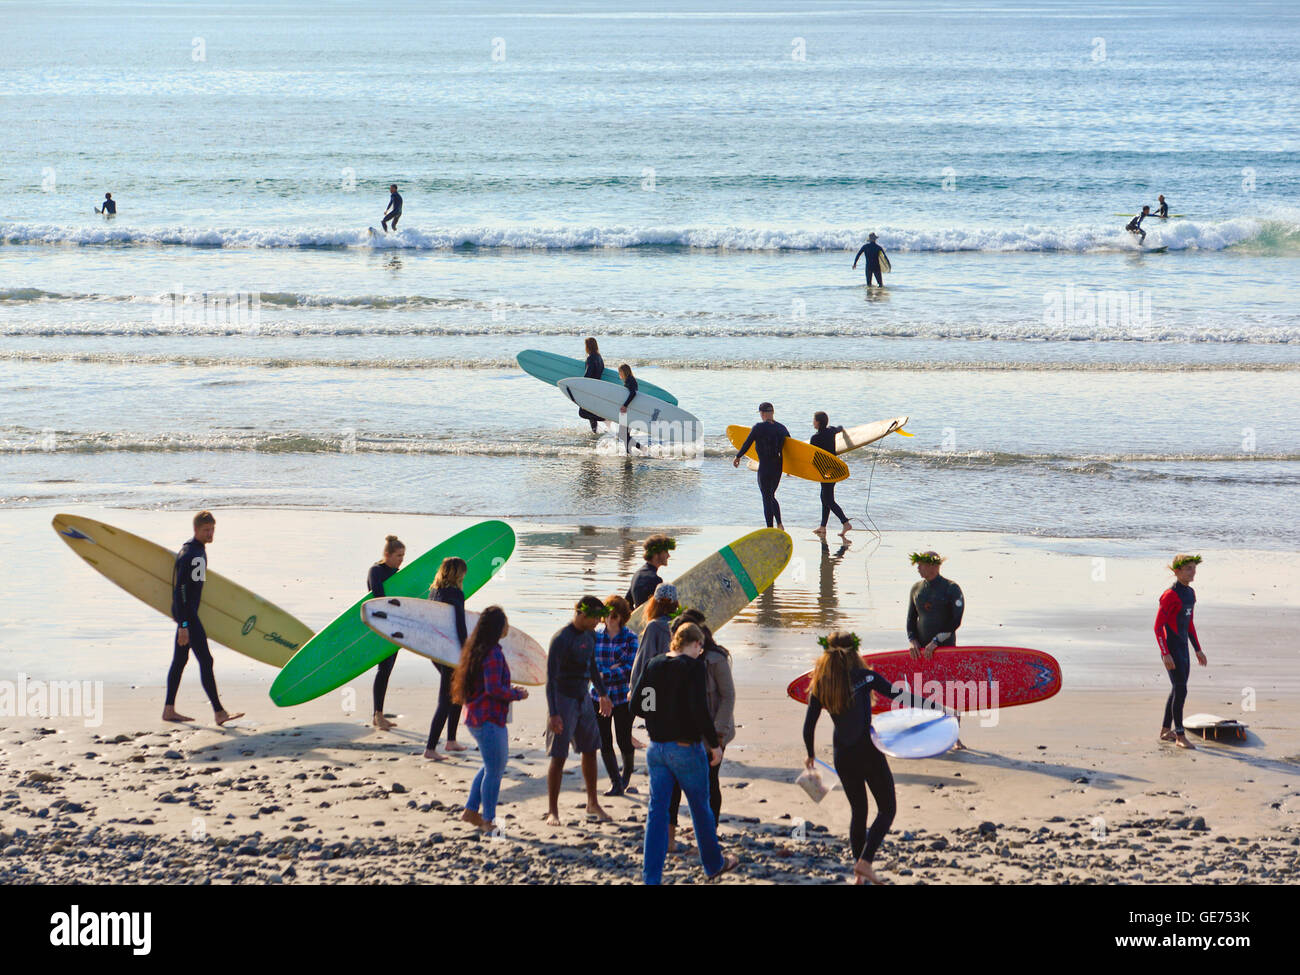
1162 211
873 253
109 209
394 211
656 550
188 575
934 610
1174 629
842 684
824 437
1134 226
768 438
570 671
595 370
381 572
448 588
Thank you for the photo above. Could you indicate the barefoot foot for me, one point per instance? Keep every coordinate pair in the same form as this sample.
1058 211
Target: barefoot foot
223 716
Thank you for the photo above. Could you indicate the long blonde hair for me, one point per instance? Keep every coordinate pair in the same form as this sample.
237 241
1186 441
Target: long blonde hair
451 574
832 677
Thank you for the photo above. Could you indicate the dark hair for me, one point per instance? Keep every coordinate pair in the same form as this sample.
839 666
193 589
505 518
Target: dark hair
625 368
591 606
592 347
204 518
821 419
693 615
487 634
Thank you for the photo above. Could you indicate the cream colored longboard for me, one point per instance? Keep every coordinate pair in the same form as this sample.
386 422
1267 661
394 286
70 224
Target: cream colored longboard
851 438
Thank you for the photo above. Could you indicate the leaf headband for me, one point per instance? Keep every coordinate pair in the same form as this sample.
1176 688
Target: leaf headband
825 643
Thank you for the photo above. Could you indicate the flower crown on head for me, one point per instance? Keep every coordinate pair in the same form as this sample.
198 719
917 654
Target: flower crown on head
1186 560
825 643
662 545
926 558
677 612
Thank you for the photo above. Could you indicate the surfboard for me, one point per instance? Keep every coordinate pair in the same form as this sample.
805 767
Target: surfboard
851 438
730 579
914 732
967 676
1211 726
1154 250
428 628
798 459
231 615
661 421
1152 216
885 266
348 648
551 368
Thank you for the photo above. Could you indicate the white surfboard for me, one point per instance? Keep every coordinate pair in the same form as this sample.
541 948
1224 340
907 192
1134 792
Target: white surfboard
647 416
429 629
914 732
1212 726
851 438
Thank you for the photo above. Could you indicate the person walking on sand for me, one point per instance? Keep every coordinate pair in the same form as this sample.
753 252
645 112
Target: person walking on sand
934 610
189 573
873 253
842 684
655 550
394 211
671 697
1174 629
768 438
595 369
570 670
482 684
447 588
616 647
381 572
824 437
657 634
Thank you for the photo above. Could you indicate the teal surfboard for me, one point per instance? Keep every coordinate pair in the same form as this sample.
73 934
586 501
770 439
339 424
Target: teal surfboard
551 368
348 648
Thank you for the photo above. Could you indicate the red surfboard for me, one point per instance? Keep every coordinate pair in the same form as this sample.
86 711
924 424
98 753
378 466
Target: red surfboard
972 678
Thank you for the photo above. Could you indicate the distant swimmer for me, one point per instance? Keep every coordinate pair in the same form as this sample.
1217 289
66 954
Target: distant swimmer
825 439
394 211
874 254
767 438
1162 211
1174 630
109 209
1135 225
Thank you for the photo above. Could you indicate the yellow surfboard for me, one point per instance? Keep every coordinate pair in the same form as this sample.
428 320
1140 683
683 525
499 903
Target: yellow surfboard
729 579
798 459
231 615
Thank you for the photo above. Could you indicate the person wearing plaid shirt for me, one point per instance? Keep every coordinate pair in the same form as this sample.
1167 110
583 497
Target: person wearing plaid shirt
616 647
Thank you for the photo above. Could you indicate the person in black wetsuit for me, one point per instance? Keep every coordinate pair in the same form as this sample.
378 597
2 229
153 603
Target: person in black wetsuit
842 684
631 385
595 370
825 439
381 572
767 437
394 211
109 209
1134 226
1162 211
872 251
934 610
656 550
188 575
448 587
1174 628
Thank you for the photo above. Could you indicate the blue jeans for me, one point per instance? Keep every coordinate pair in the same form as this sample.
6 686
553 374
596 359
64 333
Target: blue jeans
492 746
672 764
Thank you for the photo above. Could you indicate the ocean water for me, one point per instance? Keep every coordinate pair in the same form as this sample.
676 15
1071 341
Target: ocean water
689 182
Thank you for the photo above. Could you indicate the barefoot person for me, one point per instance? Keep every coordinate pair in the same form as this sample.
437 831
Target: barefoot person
1174 628
671 697
934 610
188 576
447 588
655 550
842 684
824 437
873 252
768 438
482 683
616 647
570 671
394 211
381 572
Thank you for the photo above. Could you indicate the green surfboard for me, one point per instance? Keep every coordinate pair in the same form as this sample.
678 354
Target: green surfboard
551 368
348 648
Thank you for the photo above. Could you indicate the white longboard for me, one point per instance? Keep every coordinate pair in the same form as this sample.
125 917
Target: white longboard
428 628
648 416
851 438
1212 726
914 732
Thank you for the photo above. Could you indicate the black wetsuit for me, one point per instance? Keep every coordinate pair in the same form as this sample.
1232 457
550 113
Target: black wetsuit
394 212
644 584
631 385
188 575
379 574
1162 210
767 438
825 439
109 208
872 250
859 764
1175 628
448 713
934 609
595 370
1135 225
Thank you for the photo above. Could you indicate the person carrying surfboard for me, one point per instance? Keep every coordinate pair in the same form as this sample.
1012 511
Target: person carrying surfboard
655 550
109 209
824 437
447 589
934 610
595 369
767 438
632 387
570 670
394 211
188 575
379 573
1174 629
1134 226
874 254
672 698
